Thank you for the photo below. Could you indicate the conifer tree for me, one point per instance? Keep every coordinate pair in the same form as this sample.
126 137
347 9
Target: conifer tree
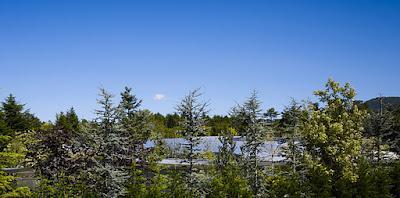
379 127
67 121
193 113
145 179
112 150
291 119
255 131
227 177
16 118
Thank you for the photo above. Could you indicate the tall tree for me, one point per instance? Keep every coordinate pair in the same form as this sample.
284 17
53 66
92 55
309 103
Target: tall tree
332 138
68 121
291 120
129 103
138 129
112 150
379 126
228 180
193 113
16 117
255 131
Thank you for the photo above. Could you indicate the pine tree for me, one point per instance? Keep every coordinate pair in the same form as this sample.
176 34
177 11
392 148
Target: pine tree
255 132
193 113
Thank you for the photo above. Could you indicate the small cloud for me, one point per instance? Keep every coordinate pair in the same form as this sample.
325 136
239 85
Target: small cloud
159 97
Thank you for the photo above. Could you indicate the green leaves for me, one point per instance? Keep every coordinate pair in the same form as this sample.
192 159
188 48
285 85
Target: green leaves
332 135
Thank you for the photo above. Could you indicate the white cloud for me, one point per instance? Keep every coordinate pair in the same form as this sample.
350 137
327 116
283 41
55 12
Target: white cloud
159 97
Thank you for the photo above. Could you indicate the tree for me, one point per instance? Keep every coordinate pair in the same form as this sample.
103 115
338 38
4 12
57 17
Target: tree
68 121
129 104
110 168
291 120
193 113
227 178
218 124
172 120
16 118
12 156
271 114
379 127
332 140
145 179
255 131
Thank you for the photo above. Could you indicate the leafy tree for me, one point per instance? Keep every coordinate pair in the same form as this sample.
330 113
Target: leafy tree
12 156
218 123
166 126
58 157
332 138
172 120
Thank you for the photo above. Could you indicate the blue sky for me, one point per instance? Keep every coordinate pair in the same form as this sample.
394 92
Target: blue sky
56 54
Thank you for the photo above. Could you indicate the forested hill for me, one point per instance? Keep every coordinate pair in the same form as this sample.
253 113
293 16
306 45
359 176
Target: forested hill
374 104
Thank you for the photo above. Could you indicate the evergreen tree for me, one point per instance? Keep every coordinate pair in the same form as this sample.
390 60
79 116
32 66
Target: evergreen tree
255 131
16 118
291 120
129 104
68 121
379 127
112 150
227 178
193 113
145 178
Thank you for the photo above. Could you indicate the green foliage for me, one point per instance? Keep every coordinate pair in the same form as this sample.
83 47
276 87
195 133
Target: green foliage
374 180
395 179
227 177
332 138
16 118
255 130
110 170
326 154
12 156
193 115
67 121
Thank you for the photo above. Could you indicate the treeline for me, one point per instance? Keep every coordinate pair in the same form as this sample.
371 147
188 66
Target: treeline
335 147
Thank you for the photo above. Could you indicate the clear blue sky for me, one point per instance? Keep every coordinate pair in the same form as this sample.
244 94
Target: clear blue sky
56 54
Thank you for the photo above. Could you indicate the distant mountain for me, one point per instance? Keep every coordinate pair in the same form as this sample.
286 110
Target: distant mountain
374 104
